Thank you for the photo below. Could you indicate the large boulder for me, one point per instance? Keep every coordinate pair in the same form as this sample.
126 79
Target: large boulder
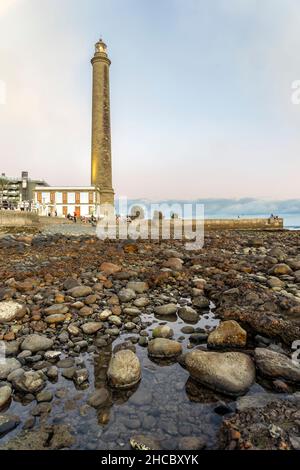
124 369
188 314
10 310
29 382
228 334
163 348
231 373
274 364
36 343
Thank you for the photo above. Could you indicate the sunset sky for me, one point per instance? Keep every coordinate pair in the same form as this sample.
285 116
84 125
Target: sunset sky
200 94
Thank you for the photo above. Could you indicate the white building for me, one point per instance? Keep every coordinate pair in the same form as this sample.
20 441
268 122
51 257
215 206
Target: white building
64 200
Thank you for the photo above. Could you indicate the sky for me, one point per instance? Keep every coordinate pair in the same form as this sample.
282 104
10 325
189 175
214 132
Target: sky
200 95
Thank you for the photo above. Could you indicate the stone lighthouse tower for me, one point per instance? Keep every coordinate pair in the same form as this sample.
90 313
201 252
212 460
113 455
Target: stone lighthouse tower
101 175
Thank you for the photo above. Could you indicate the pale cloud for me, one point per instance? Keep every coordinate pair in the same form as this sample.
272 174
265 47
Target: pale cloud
6 5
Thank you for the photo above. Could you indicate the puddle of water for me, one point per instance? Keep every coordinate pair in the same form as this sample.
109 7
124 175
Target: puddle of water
166 403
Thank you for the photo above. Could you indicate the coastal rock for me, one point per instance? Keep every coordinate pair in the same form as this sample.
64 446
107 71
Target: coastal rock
98 398
5 396
173 263
36 343
162 331
191 443
228 334
138 286
162 348
56 309
200 301
10 311
281 269
231 373
167 309
8 366
91 328
275 365
142 441
124 369
80 291
110 268
8 423
188 314
56 318
126 295
29 382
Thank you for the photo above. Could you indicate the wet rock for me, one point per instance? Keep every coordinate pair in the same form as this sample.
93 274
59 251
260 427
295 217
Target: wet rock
142 397
142 441
141 302
44 396
86 311
91 328
162 348
10 311
36 343
124 369
110 268
52 373
5 396
29 382
138 286
188 314
231 373
99 398
201 302
191 443
173 263
276 365
162 331
70 283
115 320
281 269
56 309
167 309
8 366
52 355
126 295
8 423
57 318
228 334
80 291
80 376
105 314
68 373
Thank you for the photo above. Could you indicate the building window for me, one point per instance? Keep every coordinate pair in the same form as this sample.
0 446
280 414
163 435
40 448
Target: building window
59 198
71 198
84 198
91 197
65 198
45 198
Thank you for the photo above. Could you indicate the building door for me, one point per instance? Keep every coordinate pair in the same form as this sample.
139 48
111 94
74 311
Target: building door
65 211
77 211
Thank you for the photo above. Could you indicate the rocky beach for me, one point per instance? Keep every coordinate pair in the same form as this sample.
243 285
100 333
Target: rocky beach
139 344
